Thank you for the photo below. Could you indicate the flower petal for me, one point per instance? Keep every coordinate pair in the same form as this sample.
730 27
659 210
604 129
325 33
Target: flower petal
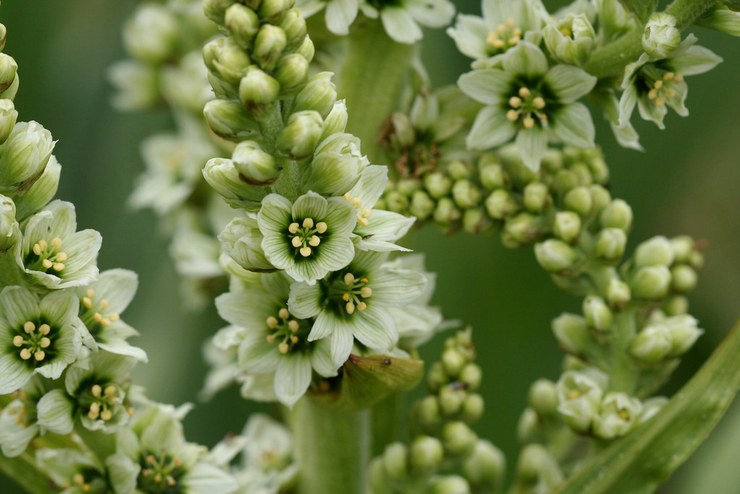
340 14
304 300
274 215
469 35
569 83
375 328
532 144
19 305
432 13
396 287
321 360
310 205
55 412
572 124
489 86
525 59
256 356
399 25
292 377
490 129
13 373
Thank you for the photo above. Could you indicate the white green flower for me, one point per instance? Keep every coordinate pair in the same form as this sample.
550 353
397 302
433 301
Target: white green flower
531 102
19 419
618 414
38 336
340 14
579 398
353 304
274 341
73 471
401 18
308 238
504 24
53 253
241 241
656 85
268 462
336 165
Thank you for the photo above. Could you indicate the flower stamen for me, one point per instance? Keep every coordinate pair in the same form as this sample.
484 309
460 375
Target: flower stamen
32 341
527 107
505 36
306 235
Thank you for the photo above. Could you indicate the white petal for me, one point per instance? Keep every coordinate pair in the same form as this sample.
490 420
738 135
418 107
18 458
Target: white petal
490 129
470 34
292 378
340 14
257 356
573 125
304 300
399 25
18 305
525 59
396 287
13 373
55 412
569 83
375 328
488 86
432 13
321 360
532 144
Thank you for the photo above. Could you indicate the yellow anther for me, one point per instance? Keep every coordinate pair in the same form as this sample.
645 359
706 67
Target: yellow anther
528 122
110 391
113 316
61 257
349 307
98 317
305 251
678 78
96 390
293 325
658 84
29 327
574 394
321 227
652 94
150 459
356 202
283 313
78 478
296 242
18 340
90 293
314 241
347 196
270 338
158 478
36 249
283 348
512 115
363 280
366 291
362 221
361 306
42 244
106 415
87 302
515 102
56 242
539 102
670 93
39 355
171 481
47 263
293 227
294 339
45 342
624 414
660 101
308 223
514 40
271 322
668 76
349 278
103 304
345 297
58 266
525 92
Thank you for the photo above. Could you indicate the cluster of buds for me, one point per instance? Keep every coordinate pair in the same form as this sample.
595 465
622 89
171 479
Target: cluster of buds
446 455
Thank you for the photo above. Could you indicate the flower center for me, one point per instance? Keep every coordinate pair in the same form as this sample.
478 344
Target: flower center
93 313
47 256
24 407
354 292
33 342
504 36
102 401
159 474
662 89
363 214
306 236
283 331
527 107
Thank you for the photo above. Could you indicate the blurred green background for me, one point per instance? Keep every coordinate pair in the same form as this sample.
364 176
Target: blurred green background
687 182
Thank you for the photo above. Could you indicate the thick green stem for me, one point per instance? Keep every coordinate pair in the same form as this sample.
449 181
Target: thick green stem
332 446
610 60
22 469
371 80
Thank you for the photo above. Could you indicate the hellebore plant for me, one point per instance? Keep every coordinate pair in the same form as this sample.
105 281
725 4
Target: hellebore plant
274 187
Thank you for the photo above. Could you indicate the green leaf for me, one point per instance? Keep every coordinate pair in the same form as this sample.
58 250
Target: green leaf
643 460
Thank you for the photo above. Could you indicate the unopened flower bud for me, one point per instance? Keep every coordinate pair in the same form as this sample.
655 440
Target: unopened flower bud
618 293
306 49
3 36
271 8
486 466
294 25
618 214
41 192
9 232
300 136
449 484
255 165
257 88
598 315
453 362
242 22
268 46
661 36
683 278
216 9
617 416
24 155
610 244
501 204
651 282
492 176
472 408
403 134
654 252
543 397
555 255
523 229
226 59
475 220
572 334
291 72
151 34
8 70
318 95
12 90
570 40
536 196
242 241
459 170
450 400
458 439
398 202
579 200
438 184
579 398
652 344
528 428
684 333
222 175
427 413
446 213
8 117
567 226
229 120
336 120
466 194
422 205
682 247
600 198
395 458
425 455
536 464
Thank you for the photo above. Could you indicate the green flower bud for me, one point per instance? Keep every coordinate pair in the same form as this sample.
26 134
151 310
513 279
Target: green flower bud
572 333
543 397
336 165
446 213
8 117
696 260
426 455
683 278
242 22
522 229
268 46
395 459
661 36
654 252
458 439
652 344
151 34
257 89
402 133
294 25
475 220
241 240
472 408
501 204
422 205
579 398
397 202
598 315
536 197
226 59
564 181
567 226
229 120
579 200
408 186
336 120
378 477
618 214
216 9
684 333
600 198
449 484
300 136
437 377
9 230
676 305
24 155
485 467
466 194
618 415
570 40
682 247
492 176
255 165
306 49
618 293
528 426
438 184
555 255
8 70
291 72
222 175
582 173
12 89
610 244
271 8
428 413
453 362
319 94
651 282
471 375
3 36
28 202
536 464
459 170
